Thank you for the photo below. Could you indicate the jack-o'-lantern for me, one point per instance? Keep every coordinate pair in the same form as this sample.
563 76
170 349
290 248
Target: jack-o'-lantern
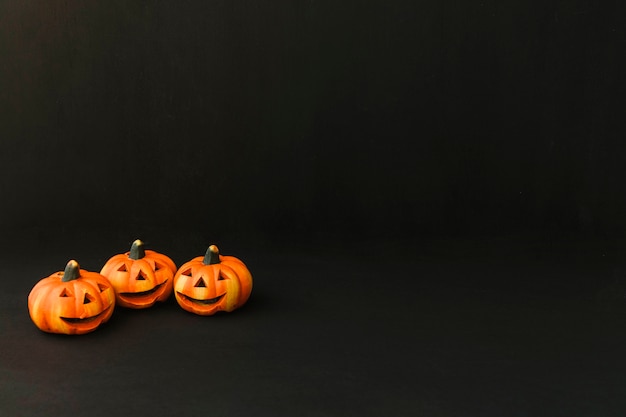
73 301
140 277
206 285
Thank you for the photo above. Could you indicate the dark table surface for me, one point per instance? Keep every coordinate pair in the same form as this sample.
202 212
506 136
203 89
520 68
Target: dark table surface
447 327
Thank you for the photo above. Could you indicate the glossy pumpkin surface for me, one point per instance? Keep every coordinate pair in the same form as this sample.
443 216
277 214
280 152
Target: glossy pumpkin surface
140 277
211 283
73 301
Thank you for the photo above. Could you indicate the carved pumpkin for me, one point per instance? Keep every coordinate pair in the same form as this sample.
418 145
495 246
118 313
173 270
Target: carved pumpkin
206 285
73 301
140 277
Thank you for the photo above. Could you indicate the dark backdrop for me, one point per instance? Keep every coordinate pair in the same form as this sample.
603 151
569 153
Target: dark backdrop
430 195
350 118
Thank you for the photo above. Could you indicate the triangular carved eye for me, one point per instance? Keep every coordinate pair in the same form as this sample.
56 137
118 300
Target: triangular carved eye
157 266
122 268
221 278
88 299
200 283
186 272
66 293
102 287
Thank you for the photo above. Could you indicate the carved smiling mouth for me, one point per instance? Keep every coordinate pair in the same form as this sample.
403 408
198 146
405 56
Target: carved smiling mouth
205 301
76 320
143 293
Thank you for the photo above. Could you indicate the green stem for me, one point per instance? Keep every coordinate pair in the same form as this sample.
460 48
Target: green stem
136 250
212 256
72 271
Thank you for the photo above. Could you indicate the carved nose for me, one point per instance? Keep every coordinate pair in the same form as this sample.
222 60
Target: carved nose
141 277
200 283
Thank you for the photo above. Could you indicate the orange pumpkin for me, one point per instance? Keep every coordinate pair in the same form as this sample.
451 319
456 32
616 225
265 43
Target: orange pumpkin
73 301
206 285
140 277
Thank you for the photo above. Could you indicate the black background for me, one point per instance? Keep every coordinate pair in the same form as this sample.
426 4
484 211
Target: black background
430 196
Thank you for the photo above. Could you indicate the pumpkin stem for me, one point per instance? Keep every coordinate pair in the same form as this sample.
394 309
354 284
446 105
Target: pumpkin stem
72 271
136 250
212 256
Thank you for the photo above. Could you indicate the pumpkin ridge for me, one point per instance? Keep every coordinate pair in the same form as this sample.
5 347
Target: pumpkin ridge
161 258
93 285
232 259
48 282
114 263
